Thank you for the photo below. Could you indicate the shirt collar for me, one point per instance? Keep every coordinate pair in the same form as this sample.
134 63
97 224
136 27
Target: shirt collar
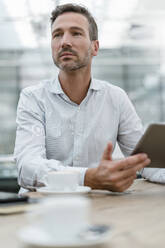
55 86
95 84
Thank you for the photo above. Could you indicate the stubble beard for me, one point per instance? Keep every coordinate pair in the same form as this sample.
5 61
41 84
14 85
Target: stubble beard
73 65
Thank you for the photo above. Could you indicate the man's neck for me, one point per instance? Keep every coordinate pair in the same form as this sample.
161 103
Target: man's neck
75 84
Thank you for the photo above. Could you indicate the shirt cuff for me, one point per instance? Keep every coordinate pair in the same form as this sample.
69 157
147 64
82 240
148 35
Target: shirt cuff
156 175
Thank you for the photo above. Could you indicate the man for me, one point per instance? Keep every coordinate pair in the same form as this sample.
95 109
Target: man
73 121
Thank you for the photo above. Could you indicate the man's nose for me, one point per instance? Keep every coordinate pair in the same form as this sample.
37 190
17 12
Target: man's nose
66 41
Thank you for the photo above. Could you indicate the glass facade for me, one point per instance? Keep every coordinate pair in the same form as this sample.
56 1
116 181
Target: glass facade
131 56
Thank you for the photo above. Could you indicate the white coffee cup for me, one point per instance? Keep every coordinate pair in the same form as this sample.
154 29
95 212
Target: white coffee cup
62 180
62 218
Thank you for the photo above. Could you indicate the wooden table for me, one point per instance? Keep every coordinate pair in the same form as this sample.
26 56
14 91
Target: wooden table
137 217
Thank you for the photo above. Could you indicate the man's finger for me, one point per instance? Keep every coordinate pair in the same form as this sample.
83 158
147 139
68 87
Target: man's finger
128 165
107 155
127 183
132 161
142 164
122 185
126 173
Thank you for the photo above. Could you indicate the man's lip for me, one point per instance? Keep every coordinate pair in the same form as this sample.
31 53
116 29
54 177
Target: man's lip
66 54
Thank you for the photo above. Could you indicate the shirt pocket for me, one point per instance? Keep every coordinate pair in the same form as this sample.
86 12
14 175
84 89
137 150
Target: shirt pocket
54 130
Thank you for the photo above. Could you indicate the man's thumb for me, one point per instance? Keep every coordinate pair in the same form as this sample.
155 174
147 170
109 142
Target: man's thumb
107 155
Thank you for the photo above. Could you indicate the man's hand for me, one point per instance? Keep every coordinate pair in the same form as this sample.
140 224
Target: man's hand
115 175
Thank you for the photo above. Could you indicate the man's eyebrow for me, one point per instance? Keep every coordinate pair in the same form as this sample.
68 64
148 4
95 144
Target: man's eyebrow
77 28
72 28
56 30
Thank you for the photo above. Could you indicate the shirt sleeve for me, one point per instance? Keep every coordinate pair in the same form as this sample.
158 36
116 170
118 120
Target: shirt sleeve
130 131
154 174
130 126
30 149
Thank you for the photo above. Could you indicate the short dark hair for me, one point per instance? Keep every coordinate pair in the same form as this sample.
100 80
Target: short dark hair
60 9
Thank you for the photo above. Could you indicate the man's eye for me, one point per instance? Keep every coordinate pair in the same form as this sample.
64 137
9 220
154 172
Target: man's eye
57 35
76 33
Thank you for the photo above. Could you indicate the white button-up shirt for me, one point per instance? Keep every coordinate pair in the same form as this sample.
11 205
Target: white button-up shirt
54 133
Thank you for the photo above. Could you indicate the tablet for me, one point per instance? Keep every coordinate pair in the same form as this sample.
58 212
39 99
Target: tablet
153 144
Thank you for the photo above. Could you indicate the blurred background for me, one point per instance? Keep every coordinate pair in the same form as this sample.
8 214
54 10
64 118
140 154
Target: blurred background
132 56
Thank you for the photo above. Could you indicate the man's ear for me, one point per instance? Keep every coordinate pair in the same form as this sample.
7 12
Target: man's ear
95 47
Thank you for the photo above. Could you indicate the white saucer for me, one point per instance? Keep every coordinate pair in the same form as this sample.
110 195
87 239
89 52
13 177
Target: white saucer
79 190
95 235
